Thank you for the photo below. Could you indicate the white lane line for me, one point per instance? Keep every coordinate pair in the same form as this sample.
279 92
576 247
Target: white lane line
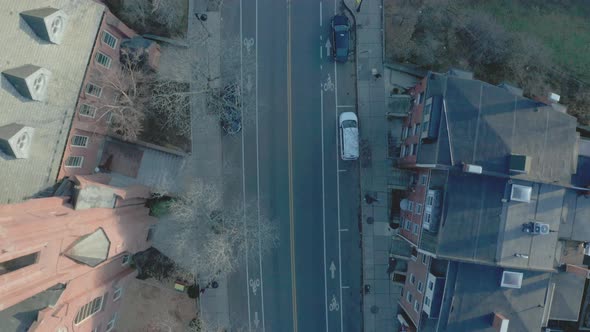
338 190
344 229
244 167
347 106
258 174
341 170
321 52
345 287
324 209
321 13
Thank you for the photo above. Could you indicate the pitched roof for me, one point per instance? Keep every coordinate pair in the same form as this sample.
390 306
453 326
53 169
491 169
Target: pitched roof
481 224
483 124
477 295
22 178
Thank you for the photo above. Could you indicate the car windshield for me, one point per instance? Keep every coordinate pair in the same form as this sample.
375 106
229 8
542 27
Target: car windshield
340 28
348 124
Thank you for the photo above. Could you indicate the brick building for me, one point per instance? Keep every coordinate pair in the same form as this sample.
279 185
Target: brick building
64 261
495 209
90 125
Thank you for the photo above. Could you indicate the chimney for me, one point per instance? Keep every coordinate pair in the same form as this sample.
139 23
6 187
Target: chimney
500 323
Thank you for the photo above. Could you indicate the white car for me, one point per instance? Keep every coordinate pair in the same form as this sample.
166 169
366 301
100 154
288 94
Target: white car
349 136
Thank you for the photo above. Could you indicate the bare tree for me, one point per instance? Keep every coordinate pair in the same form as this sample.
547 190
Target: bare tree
142 13
209 240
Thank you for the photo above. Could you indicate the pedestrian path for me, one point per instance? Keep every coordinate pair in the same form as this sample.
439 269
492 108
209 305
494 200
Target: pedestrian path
380 293
206 140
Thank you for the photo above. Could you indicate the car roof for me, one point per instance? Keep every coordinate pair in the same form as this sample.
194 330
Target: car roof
340 20
348 116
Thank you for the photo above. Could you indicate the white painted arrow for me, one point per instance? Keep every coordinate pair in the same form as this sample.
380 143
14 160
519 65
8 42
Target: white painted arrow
328 47
332 269
256 320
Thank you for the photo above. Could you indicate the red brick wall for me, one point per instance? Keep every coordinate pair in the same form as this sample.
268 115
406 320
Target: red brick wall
417 195
420 272
415 117
95 127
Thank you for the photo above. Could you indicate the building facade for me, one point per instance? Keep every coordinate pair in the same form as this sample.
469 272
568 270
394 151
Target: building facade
65 260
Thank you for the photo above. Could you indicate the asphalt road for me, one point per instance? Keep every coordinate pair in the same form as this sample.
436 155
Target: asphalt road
285 162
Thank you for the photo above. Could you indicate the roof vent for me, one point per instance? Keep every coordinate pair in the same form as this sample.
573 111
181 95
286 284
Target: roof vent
15 140
519 164
554 97
500 322
29 80
48 23
521 193
511 279
470 168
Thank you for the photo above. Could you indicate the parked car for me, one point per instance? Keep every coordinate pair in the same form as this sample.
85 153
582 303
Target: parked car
349 136
340 38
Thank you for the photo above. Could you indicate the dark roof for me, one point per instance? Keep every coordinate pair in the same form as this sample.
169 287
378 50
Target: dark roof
477 295
567 297
487 123
478 226
21 316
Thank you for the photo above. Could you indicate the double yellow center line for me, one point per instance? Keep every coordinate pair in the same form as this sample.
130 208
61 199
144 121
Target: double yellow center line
290 159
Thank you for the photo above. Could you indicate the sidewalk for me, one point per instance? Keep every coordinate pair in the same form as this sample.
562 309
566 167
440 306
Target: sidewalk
206 142
380 303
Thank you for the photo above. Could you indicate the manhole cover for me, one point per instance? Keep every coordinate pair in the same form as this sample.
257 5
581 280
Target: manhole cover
374 309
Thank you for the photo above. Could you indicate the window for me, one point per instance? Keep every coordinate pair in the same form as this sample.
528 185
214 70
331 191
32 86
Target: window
425 126
415 229
411 150
427 107
109 39
125 259
408 224
109 117
430 285
117 293
427 218
89 309
81 141
413 131
409 297
87 110
111 323
423 179
416 128
412 278
424 259
410 206
103 59
427 300
93 90
418 208
416 306
18 263
404 132
419 286
429 200
403 153
414 149
74 161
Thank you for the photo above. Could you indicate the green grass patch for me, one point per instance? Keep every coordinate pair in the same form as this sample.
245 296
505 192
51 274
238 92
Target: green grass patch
563 28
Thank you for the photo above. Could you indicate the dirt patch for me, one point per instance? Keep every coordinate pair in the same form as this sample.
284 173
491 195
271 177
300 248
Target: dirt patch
151 306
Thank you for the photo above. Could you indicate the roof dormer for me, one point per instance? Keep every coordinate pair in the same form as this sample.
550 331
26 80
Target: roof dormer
29 80
15 140
48 23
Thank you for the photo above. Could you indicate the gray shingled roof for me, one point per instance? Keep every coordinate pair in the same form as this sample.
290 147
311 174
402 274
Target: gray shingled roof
67 62
487 123
477 295
478 226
